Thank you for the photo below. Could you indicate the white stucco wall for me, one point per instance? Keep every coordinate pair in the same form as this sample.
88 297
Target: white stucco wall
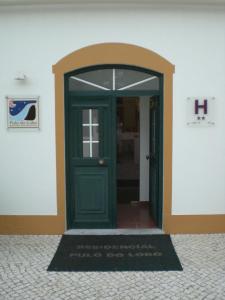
33 39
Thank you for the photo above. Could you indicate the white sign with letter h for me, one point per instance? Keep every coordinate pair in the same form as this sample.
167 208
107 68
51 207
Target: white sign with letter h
201 111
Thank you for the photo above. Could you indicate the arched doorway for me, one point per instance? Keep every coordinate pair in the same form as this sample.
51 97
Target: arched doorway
114 54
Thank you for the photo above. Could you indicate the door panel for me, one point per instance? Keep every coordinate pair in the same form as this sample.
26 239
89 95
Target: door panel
91 162
91 205
154 159
97 181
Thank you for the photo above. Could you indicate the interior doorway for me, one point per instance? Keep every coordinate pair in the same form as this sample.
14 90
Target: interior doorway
108 138
133 164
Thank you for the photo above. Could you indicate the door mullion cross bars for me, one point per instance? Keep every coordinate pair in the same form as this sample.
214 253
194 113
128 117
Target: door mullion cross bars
113 82
137 83
90 83
90 126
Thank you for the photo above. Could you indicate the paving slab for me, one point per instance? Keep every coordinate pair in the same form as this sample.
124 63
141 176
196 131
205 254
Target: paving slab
24 260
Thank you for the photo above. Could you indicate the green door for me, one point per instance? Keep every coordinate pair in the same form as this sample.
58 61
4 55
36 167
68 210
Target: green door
154 185
91 162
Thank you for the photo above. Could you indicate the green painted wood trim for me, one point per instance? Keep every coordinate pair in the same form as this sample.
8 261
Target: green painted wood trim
114 95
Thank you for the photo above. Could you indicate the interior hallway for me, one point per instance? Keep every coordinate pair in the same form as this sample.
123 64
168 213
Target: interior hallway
134 215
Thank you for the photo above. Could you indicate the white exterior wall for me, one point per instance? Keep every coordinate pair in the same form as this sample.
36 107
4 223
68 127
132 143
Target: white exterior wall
33 39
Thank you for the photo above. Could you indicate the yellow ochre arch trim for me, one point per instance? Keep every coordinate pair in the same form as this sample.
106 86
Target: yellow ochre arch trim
113 53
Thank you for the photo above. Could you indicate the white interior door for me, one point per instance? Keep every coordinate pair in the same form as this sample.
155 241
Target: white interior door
144 148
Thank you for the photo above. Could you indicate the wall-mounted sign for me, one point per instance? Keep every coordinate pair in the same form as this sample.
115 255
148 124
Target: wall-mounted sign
201 111
23 112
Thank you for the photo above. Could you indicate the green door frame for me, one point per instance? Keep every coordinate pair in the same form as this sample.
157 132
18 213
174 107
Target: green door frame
115 94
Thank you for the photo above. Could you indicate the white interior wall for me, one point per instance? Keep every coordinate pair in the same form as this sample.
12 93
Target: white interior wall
33 39
144 148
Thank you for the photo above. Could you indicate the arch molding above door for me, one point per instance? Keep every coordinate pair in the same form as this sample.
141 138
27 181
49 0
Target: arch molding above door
113 53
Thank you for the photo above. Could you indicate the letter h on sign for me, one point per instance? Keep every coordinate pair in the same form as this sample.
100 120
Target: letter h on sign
203 106
201 111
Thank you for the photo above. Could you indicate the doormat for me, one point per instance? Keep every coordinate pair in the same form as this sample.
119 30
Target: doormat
115 253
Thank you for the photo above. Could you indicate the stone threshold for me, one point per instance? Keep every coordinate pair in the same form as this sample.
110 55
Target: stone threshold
120 231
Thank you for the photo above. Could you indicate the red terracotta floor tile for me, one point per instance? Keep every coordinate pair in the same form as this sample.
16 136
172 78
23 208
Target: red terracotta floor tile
134 215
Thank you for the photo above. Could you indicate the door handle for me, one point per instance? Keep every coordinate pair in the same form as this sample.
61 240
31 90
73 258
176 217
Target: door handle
150 156
101 162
